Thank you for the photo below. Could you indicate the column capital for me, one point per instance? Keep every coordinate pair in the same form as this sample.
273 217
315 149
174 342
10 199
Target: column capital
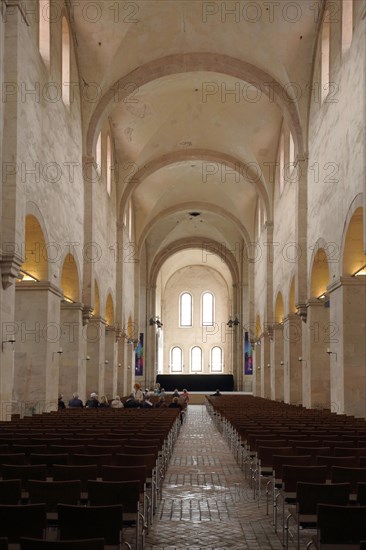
87 313
346 281
40 286
76 306
302 311
10 266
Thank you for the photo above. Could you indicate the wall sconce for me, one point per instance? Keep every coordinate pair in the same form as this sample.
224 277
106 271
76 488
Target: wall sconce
155 321
360 271
10 341
259 368
58 352
233 322
302 360
268 365
324 297
106 362
329 352
25 276
119 365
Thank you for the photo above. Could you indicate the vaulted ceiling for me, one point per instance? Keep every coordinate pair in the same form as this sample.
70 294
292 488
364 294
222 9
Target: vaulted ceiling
196 97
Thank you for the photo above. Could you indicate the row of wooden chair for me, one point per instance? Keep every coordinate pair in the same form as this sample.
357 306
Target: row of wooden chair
287 446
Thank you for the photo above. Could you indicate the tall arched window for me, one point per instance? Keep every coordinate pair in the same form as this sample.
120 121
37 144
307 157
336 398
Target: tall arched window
347 24
44 31
216 359
325 56
65 79
176 359
282 162
291 152
196 359
98 154
207 309
109 165
185 313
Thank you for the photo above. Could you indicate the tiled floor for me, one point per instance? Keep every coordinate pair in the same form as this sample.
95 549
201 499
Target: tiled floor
206 502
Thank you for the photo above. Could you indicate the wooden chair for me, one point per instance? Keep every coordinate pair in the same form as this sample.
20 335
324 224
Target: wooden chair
10 491
127 493
41 544
82 522
339 527
291 475
28 520
308 496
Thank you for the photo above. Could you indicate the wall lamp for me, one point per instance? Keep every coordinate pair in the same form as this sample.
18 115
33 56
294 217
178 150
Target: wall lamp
25 276
155 321
329 352
58 352
324 297
302 360
10 341
233 322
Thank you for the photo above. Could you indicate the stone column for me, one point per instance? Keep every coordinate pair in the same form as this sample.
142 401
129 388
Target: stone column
347 344
292 365
73 345
265 369
277 363
257 370
316 371
110 368
95 331
36 377
10 332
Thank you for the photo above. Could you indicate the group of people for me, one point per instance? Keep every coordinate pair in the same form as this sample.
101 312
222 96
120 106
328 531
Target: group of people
92 403
137 399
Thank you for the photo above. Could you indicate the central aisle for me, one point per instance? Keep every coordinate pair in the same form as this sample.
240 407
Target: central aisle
207 504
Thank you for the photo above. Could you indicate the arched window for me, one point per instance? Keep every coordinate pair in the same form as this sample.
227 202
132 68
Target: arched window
185 313
109 165
196 359
216 359
291 152
44 31
98 154
259 228
282 162
207 309
347 24
325 56
65 62
176 363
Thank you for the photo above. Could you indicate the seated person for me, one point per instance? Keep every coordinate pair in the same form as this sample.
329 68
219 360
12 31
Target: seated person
75 402
61 404
161 403
104 402
117 403
93 402
131 402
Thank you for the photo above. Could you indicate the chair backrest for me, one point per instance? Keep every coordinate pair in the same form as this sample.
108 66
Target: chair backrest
22 520
83 473
340 474
280 460
313 451
81 522
10 491
104 493
136 460
4 543
54 492
361 493
309 495
341 524
350 451
265 453
292 474
330 461
41 544
24 472
125 473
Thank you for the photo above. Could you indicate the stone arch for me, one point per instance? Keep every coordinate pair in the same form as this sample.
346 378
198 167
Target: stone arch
109 311
201 154
352 253
70 280
193 206
279 308
35 250
96 309
194 62
319 273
